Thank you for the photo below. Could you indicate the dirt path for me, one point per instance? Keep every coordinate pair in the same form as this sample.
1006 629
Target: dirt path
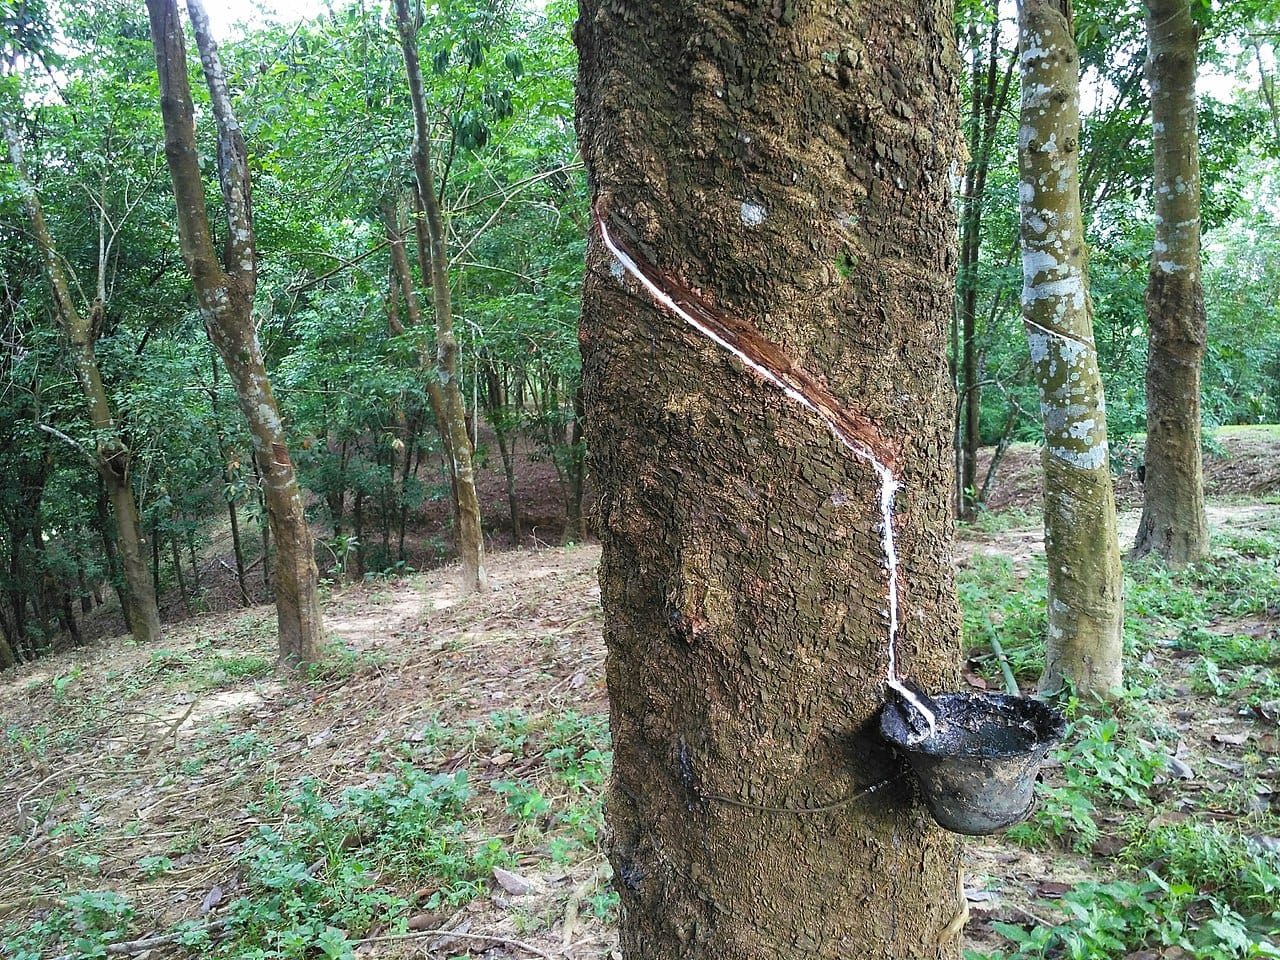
1024 540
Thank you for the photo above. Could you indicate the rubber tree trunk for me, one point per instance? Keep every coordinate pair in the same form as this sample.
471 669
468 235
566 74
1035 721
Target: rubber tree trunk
470 538
783 172
402 279
502 418
1085 603
1173 517
110 456
224 294
989 94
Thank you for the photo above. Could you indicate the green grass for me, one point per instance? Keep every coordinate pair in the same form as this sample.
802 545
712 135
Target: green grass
1002 521
1203 888
326 864
995 599
1269 431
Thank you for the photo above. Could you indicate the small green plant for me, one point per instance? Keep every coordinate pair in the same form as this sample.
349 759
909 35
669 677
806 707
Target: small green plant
1212 859
82 925
1000 521
325 875
1207 678
523 799
1100 765
1121 918
63 681
1230 649
248 745
995 598
506 730
604 905
245 667
154 866
577 750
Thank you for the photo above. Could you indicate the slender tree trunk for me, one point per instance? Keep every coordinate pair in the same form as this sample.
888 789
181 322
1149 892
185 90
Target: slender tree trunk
155 557
195 566
997 455
1085 603
82 585
224 293
175 556
238 550
1173 521
67 617
499 418
769 172
989 96
403 277
110 550
336 497
470 534
575 473
357 515
264 530
113 458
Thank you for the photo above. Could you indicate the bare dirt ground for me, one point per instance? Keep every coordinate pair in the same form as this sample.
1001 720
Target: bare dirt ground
1244 462
114 754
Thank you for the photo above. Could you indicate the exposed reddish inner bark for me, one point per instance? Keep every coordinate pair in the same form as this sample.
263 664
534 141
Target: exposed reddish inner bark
852 428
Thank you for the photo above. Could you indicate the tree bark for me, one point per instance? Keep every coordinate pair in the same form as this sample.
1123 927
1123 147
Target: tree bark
110 549
498 408
1173 521
224 294
402 277
112 457
988 98
470 537
7 656
1085 603
781 172
575 473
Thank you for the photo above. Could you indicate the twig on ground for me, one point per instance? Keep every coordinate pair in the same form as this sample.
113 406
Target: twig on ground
424 934
74 768
127 947
171 730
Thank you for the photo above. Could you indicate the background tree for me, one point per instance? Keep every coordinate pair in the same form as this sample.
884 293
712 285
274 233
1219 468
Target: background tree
990 76
1085 603
225 291
1173 522
110 454
777 171
431 220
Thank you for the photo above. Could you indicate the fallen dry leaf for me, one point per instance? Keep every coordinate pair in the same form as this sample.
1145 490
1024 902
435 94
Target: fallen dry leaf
1231 739
1052 888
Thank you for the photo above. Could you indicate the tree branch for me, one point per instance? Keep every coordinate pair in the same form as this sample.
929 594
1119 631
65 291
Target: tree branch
71 442
233 156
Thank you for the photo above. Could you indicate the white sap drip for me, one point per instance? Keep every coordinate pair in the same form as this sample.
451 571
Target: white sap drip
888 485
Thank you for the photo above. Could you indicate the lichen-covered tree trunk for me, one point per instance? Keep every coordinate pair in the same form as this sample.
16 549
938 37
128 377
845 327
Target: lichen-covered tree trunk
470 536
1085 603
111 456
224 294
1173 517
782 171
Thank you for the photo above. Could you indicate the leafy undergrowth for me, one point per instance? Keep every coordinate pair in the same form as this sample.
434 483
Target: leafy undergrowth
440 786
1158 829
